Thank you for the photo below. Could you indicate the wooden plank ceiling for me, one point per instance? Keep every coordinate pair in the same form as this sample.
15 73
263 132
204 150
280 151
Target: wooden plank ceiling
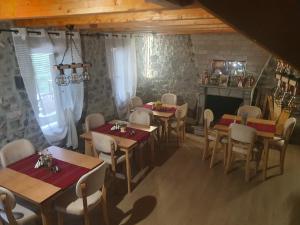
157 16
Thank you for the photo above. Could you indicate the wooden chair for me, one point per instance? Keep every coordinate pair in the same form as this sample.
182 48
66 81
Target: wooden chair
15 150
12 213
280 143
107 149
136 102
178 125
141 117
252 111
94 120
209 134
169 98
242 142
90 191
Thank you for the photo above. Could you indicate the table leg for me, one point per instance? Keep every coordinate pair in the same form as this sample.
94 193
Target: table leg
166 130
45 214
214 150
152 149
128 171
266 158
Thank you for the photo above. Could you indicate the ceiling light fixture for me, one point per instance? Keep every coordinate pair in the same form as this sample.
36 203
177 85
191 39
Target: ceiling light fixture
74 78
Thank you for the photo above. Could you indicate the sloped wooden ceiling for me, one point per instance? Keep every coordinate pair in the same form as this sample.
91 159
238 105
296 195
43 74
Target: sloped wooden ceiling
275 24
114 15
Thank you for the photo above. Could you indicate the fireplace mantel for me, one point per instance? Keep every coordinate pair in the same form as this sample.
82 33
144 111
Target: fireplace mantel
235 92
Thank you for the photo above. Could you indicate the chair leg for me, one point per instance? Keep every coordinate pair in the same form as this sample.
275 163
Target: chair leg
178 136
205 150
225 155
60 218
213 154
247 169
282 159
229 161
105 206
86 219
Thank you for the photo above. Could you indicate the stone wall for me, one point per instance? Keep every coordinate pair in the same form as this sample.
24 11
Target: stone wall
16 115
176 61
171 68
174 64
98 96
231 46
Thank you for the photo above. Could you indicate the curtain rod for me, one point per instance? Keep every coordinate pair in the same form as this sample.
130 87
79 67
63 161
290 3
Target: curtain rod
32 32
67 33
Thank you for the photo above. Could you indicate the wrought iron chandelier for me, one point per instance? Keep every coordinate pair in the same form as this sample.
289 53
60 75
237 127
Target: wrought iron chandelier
75 78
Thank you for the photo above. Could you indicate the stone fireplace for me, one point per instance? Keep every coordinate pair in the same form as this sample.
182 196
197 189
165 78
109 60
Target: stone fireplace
242 95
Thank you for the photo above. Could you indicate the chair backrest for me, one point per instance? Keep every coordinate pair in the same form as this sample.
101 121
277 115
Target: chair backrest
10 198
208 117
94 120
94 180
181 111
288 128
136 102
252 111
7 204
169 98
140 117
103 143
15 150
242 133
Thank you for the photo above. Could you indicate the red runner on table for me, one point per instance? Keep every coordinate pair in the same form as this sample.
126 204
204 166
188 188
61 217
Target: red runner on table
131 133
163 109
257 126
67 175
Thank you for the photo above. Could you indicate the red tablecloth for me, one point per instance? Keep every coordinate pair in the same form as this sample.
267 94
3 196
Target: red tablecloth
139 135
257 126
68 174
163 109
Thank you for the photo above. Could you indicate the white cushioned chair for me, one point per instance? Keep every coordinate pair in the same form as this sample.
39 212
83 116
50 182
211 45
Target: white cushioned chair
141 117
178 124
242 141
94 120
107 149
252 111
15 150
169 98
89 192
210 136
280 143
12 213
136 102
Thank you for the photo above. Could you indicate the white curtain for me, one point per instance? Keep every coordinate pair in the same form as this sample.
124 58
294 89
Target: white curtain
122 68
56 108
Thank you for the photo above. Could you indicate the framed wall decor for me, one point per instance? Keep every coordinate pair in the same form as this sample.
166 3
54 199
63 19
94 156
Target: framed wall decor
219 67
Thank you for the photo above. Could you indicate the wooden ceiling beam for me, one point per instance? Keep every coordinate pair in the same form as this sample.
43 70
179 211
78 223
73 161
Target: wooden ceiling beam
100 19
172 2
32 9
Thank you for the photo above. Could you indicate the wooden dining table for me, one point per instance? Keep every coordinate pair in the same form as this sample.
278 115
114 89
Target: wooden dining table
163 116
265 129
39 192
125 145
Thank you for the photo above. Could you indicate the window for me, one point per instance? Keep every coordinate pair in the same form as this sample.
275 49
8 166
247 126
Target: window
45 96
